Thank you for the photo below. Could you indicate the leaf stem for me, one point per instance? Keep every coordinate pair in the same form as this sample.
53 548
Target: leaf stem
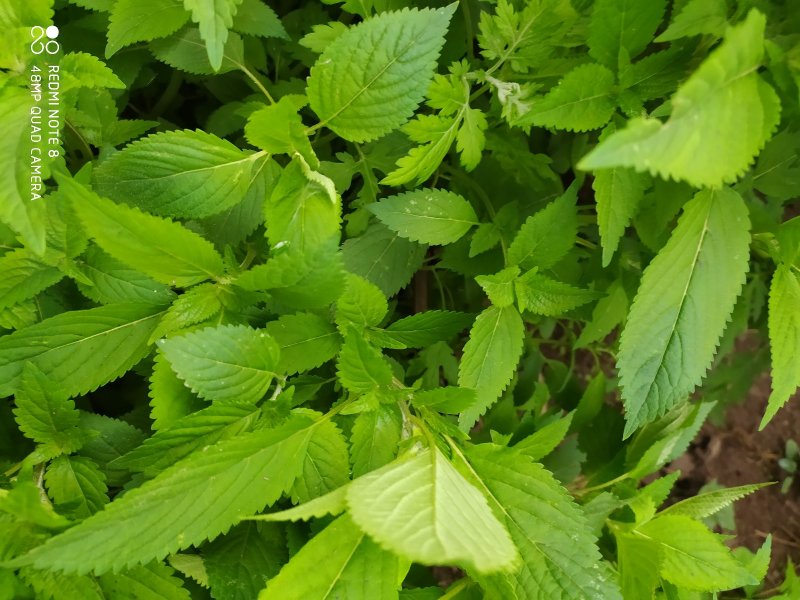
257 83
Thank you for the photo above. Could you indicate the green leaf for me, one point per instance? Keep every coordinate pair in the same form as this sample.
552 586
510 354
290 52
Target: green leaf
178 440
684 301
541 295
278 129
447 399
60 586
154 581
544 440
332 503
429 216
26 503
422 508
548 235
110 439
609 312
436 134
170 399
185 50
339 562
374 438
725 98
24 276
79 69
705 505
639 563
425 328
229 362
361 367
560 558
113 282
490 358
166 251
784 338
326 466
196 499
214 17
306 341
372 77
361 305
618 192
51 422
256 18
240 563
693 557
189 174
383 257
581 101
500 286
697 17
194 306
134 21
77 486
79 351
622 25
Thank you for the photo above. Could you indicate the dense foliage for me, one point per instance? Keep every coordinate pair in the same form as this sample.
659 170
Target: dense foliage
311 297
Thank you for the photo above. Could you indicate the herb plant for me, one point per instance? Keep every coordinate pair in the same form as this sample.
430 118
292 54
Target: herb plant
311 298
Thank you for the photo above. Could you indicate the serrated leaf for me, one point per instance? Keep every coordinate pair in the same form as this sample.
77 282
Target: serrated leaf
194 306
339 562
639 562
425 328
185 50
626 25
708 503
374 438
383 257
471 140
609 312
109 439
166 251
76 485
684 301
79 351
51 422
228 363
784 338
190 174
278 129
113 282
423 509
447 399
371 78
421 161
429 216
490 358
196 499
306 341
188 434
24 276
695 18
361 367
548 235
725 98
500 286
60 586
545 439
560 558
133 21
581 101
541 295
241 562
326 466
693 557
154 581
79 69
214 17
361 305
170 398
190 565
256 18
332 503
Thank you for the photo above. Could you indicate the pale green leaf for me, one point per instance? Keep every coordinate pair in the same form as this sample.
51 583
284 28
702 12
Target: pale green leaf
693 557
548 235
166 251
581 101
229 362
79 351
196 499
371 78
332 503
423 509
199 303
421 161
448 399
697 17
79 69
490 358
541 295
214 17
256 18
424 329
500 286
721 117
278 129
374 438
185 50
639 562
306 341
609 312
109 439
708 503
361 305
76 485
134 21
190 565
240 563
178 440
339 562
622 25
189 174
784 337
326 466
361 367
544 440
60 586
685 298
429 216
560 558
170 399
154 581
471 139
51 422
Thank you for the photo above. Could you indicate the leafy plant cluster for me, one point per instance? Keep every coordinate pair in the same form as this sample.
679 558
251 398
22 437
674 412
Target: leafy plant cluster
320 296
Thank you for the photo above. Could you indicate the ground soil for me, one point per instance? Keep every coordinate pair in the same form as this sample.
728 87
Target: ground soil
736 453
